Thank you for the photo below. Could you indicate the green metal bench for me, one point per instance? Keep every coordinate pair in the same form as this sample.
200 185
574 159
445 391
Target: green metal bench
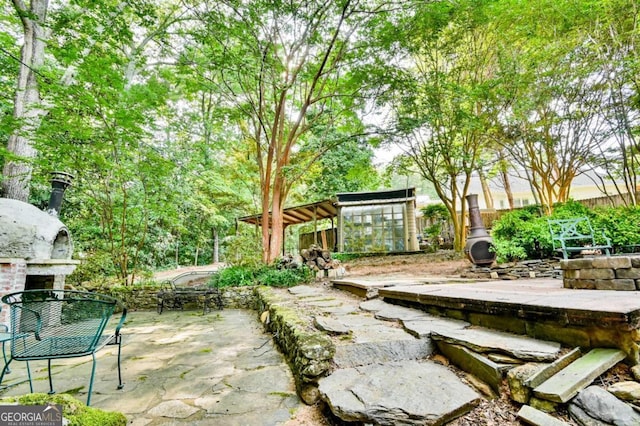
576 235
52 324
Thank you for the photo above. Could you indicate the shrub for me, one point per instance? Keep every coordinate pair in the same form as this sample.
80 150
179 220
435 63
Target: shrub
523 234
622 225
273 277
94 266
234 276
75 412
243 249
238 276
570 209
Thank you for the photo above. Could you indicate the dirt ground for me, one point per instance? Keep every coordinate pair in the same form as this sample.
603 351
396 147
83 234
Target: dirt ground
442 263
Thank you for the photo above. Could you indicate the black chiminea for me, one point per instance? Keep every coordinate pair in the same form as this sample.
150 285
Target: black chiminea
60 181
479 242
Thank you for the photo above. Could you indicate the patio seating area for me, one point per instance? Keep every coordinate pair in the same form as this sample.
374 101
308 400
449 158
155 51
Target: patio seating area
181 367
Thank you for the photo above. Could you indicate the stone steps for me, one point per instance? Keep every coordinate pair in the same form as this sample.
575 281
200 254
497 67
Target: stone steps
353 389
566 384
382 372
484 353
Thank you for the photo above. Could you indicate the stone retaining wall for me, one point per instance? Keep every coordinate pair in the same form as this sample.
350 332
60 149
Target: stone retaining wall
535 268
309 352
145 299
602 273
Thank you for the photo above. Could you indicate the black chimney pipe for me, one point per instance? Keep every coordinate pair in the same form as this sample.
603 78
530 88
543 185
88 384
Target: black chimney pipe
60 181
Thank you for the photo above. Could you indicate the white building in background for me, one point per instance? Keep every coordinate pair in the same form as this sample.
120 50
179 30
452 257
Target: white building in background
583 187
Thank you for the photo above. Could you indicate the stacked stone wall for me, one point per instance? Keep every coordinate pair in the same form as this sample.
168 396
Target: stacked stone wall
535 268
602 273
145 298
308 351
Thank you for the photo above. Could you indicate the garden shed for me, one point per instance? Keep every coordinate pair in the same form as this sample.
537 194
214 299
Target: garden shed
377 221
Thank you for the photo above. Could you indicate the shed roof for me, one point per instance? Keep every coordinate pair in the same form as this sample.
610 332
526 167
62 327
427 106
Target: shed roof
324 209
328 209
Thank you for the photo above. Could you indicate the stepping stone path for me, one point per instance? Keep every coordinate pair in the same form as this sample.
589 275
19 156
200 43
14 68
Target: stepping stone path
384 376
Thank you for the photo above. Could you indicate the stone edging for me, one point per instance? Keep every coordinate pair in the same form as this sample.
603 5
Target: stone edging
308 351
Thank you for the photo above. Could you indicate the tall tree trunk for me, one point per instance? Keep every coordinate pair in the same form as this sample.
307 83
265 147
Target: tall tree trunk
27 107
486 191
506 182
216 246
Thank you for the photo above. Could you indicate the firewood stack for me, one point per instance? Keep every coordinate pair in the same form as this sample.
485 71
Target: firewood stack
318 259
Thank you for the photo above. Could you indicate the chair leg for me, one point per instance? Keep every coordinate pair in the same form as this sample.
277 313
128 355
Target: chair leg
5 370
29 376
120 384
4 355
24 346
51 391
93 372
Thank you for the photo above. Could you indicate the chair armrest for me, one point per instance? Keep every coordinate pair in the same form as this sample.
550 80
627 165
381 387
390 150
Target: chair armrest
123 316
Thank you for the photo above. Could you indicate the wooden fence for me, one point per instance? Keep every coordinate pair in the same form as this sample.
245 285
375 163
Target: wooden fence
490 216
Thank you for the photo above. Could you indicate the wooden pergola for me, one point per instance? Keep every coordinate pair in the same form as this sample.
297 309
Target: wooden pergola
312 212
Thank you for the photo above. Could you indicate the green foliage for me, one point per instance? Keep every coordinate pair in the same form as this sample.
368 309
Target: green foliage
75 412
165 155
243 249
508 251
571 208
435 212
346 167
93 267
438 215
234 276
273 276
621 225
521 234
524 234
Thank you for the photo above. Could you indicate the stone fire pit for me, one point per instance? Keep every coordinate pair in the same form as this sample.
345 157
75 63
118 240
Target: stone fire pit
602 273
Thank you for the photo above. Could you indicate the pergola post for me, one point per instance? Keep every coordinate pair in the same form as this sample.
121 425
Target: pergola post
315 225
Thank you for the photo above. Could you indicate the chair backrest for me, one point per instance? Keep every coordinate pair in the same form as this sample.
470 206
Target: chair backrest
58 323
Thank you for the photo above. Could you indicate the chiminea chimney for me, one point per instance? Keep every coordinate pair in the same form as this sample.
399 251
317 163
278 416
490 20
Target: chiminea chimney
478 248
60 181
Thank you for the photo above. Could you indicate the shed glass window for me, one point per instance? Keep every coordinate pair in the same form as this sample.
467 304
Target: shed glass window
378 228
